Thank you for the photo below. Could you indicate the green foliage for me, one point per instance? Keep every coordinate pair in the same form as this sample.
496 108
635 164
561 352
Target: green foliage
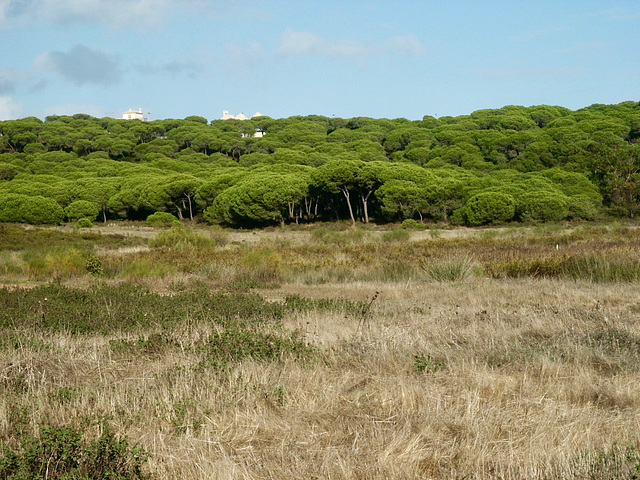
62 453
34 210
125 307
543 206
453 268
489 207
411 224
84 223
424 363
81 209
162 219
94 265
318 168
233 345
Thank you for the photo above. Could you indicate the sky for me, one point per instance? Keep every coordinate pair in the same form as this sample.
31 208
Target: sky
343 58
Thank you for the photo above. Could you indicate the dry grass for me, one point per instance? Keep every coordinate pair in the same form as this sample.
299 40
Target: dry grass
527 378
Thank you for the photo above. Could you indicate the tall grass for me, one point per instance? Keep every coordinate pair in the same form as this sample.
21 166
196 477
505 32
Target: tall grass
453 268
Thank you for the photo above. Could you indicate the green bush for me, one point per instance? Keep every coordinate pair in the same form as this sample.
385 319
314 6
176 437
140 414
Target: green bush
411 224
84 223
81 209
7 171
543 206
61 453
489 207
582 206
162 219
38 210
34 210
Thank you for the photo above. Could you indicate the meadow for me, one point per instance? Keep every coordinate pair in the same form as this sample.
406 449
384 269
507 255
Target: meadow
320 351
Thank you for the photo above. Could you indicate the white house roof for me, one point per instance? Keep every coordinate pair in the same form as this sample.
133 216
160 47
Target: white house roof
241 116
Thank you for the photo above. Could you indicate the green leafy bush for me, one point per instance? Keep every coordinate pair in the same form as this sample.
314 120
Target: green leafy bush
489 207
162 219
84 223
411 224
237 344
582 206
81 209
62 453
15 207
544 206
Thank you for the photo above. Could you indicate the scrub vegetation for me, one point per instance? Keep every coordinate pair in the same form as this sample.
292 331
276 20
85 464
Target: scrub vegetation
155 350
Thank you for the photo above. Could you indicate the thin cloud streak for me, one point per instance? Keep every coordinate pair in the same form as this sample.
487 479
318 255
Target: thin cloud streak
308 44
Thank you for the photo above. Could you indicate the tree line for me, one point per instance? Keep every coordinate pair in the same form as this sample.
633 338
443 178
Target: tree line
541 163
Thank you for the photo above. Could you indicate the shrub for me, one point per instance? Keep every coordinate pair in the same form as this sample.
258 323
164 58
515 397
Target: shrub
451 269
582 206
94 265
61 452
489 207
7 171
84 223
81 209
162 219
544 206
15 207
40 210
411 224
234 345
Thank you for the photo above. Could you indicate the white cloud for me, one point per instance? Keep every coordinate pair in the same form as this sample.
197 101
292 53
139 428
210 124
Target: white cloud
82 65
308 44
116 13
408 45
9 108
139 14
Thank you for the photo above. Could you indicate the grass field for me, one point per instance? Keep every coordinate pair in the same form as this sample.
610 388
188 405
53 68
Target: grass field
328 352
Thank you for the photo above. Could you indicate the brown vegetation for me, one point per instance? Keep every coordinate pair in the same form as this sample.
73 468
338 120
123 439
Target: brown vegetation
492 354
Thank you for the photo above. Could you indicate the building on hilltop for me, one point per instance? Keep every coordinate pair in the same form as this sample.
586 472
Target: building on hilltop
241 116
133 115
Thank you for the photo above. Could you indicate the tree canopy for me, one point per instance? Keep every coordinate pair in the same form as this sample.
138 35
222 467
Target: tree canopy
540 163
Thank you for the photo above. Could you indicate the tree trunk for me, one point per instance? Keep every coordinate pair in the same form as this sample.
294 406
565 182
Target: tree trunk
190 207
345 192
365 199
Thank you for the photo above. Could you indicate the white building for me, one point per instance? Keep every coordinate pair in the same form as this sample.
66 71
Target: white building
133 115
241 116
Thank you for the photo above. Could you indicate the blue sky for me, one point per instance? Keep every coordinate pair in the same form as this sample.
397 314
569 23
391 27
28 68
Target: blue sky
175 58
